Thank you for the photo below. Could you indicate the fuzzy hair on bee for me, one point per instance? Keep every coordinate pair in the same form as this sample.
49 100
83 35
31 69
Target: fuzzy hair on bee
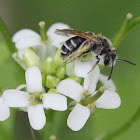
84 42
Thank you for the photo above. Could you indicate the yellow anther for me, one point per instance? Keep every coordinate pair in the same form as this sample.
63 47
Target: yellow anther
45 41
85 93
41 96
36 93
33 103
89 106
31 98
93 105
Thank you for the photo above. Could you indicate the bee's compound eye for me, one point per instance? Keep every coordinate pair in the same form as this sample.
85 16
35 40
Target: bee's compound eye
106 60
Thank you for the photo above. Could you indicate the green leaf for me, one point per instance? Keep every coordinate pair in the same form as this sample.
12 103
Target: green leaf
7 37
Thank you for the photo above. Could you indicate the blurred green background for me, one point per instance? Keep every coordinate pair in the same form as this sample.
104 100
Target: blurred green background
100 16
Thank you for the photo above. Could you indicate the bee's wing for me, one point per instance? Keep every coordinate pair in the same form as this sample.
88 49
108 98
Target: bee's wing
88 35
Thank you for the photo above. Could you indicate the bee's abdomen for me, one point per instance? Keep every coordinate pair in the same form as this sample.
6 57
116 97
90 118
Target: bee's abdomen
71 45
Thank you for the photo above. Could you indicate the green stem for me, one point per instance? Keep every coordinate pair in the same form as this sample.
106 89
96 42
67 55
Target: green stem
128 25
134 22
7 37
120 35
125 127
23 130
12 49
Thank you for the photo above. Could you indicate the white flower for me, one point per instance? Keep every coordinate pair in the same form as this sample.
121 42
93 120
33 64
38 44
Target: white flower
80 113
81 69
34 99
26 38
108 84
4 110
55 39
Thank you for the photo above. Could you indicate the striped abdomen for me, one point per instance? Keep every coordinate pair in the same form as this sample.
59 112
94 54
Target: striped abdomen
71 45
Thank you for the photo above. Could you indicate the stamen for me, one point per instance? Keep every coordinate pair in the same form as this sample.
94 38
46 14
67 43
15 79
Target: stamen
41 96
85 93
32 97
36 93
91 105
33 103
91 99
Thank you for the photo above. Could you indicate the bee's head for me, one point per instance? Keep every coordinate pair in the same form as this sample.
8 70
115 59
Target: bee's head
110 58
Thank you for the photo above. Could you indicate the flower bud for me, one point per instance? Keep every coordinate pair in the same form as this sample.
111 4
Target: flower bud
30 58
76 79
51 81
43 79
58 60
53 91
49 66
60 73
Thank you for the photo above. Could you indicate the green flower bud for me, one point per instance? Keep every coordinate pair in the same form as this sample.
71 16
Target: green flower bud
76 79
53 91
30 58
58 60
49 66
60 73
43 79
51 81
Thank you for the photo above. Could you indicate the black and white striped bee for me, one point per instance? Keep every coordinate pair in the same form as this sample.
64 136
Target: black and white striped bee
85 42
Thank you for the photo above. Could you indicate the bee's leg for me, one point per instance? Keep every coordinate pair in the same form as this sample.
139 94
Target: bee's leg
82 49
95 64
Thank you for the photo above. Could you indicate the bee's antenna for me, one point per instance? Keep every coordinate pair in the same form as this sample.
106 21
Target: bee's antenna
125 61
110 72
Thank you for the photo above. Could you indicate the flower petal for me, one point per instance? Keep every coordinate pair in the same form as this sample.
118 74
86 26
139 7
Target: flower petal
4 110
55 101
16 98
33 79
27 42
91 81
109 100
36 116
82 68
21 87
25 33
54 38
71 89
20 53
78 117
108 84
19 60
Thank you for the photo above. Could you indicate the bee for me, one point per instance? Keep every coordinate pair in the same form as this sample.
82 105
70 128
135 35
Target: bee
84 42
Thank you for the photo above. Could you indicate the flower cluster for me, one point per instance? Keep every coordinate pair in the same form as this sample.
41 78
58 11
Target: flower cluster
49 81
